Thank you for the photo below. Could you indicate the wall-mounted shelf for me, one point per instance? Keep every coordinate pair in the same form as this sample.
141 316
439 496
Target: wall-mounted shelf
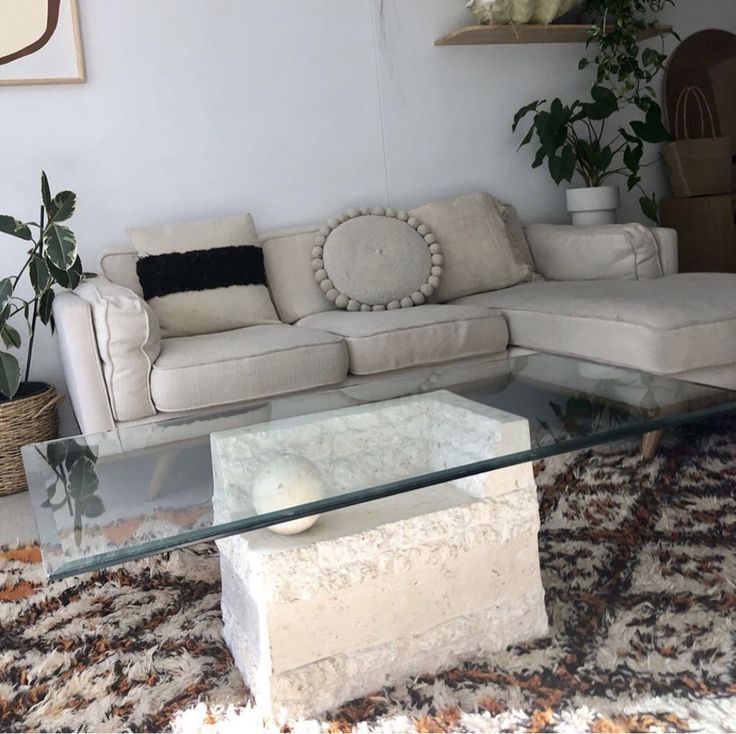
486 34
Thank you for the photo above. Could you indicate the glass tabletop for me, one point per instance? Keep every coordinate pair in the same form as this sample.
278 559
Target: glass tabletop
102 499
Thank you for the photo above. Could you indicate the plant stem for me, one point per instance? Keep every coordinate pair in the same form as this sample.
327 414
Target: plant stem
34 318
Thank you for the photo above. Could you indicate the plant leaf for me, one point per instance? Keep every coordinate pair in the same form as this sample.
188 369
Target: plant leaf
40 275
46 194
56 453
14 227
83 480
60 246
9 374
10 336
524 111
6 292
64 204
92 506
649 207
45 304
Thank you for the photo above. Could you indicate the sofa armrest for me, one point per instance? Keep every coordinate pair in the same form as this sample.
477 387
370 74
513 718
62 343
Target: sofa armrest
128 342
613 252
80 360
668 249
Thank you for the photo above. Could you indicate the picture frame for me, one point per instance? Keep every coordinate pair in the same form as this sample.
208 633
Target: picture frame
41 43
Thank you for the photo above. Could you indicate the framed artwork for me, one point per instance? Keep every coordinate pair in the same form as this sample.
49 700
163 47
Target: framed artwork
40 42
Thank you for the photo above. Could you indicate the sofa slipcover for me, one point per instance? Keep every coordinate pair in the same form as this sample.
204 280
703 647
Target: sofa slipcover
665 326
383 341
244 364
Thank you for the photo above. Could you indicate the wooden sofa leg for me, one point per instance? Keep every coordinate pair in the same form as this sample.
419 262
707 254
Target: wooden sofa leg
650 443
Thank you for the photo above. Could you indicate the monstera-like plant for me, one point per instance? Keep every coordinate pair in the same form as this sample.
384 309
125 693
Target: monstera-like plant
577 138
52 260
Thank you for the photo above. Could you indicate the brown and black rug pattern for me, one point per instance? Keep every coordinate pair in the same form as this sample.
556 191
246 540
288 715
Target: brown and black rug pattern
639 565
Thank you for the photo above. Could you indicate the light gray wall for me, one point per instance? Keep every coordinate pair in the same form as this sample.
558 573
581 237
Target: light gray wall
292 110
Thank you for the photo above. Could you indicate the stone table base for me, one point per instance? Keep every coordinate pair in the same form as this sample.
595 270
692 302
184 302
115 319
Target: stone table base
376 593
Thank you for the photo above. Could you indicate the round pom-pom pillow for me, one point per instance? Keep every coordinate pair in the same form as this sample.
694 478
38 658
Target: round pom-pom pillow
376 259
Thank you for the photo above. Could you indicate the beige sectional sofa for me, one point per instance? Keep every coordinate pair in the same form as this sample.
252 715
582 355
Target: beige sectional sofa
594 295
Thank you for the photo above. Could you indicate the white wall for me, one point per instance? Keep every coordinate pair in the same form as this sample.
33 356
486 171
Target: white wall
293 110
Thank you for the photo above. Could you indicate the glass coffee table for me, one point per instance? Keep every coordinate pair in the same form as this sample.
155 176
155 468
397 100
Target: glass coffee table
103 499
368 533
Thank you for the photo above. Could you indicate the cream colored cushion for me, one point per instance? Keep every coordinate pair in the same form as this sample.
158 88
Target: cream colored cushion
244 364
384 341
200 234
665 325
118 266
128 341
478 253
615 252
288 260
376 259
516 234
204 276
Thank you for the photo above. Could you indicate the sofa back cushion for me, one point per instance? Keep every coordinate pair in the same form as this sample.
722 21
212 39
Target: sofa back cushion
288 259
128 342
612 252
204 276
119 266
479 254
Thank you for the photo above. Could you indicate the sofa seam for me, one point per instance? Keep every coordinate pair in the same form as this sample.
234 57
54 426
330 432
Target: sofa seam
337 342
616 321
482 317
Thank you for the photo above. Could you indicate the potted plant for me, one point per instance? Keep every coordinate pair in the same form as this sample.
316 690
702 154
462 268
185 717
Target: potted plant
28 409
574 138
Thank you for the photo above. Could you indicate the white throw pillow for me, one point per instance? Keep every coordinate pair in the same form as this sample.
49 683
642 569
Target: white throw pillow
479 255
204 276
376 259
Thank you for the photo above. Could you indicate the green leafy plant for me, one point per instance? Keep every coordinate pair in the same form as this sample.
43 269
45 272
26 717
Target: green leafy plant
52 261
575 138
75 482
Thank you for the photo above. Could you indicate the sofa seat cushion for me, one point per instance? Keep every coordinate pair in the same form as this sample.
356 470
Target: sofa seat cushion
666 325
244 364
383 341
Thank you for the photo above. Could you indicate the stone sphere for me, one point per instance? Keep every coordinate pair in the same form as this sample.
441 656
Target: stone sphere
287 481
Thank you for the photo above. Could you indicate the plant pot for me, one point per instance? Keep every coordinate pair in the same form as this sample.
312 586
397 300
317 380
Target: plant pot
31 416
593 206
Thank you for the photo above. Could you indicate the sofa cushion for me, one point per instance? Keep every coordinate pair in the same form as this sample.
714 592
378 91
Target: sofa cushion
288 259
204 276
479 255
376 259
383 341
128 341
619 251
667 325
244 364
119 266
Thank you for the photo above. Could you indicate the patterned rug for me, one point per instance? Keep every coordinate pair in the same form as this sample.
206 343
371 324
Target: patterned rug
639 564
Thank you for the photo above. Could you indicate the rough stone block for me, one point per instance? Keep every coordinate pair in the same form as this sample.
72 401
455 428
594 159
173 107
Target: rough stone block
399 587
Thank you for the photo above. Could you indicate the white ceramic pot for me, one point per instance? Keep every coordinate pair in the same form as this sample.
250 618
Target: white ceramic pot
593 206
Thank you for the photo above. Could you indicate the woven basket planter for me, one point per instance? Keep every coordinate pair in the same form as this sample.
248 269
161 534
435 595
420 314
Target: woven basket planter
26 419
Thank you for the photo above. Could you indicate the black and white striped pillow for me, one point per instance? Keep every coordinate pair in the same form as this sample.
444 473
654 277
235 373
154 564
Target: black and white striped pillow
203 277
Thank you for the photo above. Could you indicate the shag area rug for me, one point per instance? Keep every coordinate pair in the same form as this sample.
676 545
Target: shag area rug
638 561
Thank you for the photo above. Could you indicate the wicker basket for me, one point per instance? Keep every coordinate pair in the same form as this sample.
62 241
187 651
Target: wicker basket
699 161
25 420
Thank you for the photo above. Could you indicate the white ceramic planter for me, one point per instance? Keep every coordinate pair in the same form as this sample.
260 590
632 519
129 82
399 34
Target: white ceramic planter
593 206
